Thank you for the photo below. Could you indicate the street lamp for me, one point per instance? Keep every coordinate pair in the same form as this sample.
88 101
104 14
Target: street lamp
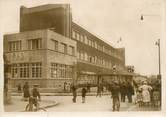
142 16
158 44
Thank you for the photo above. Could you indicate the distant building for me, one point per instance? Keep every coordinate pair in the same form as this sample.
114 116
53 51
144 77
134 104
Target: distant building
51 48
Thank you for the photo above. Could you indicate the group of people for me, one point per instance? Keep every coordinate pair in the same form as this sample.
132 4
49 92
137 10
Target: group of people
145 94
149 94
83 92
31 96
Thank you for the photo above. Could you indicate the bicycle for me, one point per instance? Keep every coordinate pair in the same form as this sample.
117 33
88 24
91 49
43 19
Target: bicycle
33 102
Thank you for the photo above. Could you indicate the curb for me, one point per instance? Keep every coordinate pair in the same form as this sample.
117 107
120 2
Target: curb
62 94
45 107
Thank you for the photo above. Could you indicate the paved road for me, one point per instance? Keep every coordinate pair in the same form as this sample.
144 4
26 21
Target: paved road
93 103
65 103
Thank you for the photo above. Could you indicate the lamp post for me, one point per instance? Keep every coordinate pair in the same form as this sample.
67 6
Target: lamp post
142 16
157 43
159 63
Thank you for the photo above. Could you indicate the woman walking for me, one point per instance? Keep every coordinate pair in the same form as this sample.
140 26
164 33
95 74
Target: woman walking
145 88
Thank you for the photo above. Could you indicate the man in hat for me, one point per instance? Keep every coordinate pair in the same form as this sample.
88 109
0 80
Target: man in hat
115 90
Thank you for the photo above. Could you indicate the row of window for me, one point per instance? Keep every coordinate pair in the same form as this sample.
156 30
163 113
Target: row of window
34 44
84 39
62 47
93 59
61 70
26 70
15 45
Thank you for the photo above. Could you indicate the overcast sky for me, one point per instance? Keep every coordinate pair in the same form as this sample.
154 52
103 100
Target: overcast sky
110 20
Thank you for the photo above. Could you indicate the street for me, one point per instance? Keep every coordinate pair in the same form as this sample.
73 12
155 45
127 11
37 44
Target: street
92 103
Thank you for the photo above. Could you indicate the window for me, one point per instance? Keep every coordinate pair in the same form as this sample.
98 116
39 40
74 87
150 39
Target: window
85 39
36 70
26 70
89 42
78 54
14 70
54 70
73 34
55 45
77 36
61 70
96 45
64 48
14 45
86 57
71 50
34 44
93 44
81 38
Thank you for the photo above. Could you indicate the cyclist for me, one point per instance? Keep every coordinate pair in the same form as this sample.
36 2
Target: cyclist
33 100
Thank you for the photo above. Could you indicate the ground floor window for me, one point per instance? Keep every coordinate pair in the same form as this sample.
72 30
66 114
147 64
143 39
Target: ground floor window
26 70
61 70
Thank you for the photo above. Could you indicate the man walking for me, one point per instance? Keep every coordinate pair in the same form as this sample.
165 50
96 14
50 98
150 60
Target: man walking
98 91
130 92
83 95
26 91
115 90
74 90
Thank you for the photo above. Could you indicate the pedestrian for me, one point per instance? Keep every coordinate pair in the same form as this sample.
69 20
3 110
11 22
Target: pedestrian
36 97
64 86
156 95
83 95
98 91
130 91
139 97
145 88
88 87
26 91
123 91
115 91
19 88
36 93
74 90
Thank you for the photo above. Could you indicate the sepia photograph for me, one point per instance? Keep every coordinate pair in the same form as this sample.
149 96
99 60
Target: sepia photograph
82 56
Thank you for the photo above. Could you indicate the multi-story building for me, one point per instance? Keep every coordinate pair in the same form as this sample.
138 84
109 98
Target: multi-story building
43 30
40 57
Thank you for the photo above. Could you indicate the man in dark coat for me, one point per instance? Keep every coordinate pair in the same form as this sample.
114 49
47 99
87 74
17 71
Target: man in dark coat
26 91
19 88
74 90
130 92
83 95
115 90
99 91
36 96
123 91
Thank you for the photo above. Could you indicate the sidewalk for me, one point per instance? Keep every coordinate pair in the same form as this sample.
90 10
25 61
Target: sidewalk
18 105
63 94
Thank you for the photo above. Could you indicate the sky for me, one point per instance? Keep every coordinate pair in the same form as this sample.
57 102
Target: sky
110 20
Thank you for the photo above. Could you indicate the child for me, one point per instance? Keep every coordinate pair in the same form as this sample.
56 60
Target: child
139 98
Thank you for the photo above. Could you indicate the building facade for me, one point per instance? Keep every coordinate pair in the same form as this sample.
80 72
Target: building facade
49 43
40 57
